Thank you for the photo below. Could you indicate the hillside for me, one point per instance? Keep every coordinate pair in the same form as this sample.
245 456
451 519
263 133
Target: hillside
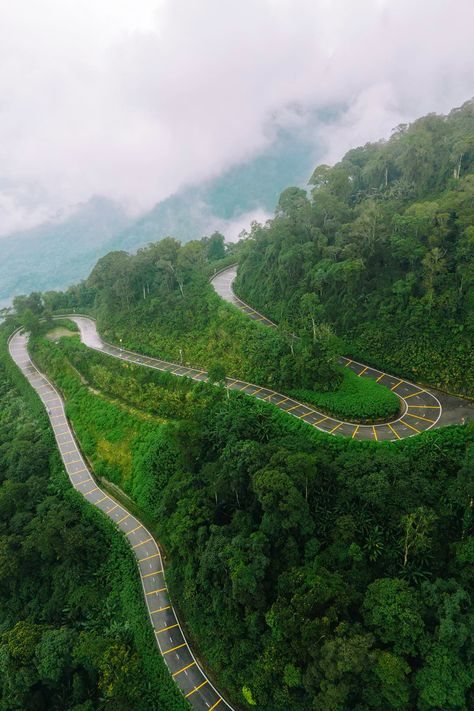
383 249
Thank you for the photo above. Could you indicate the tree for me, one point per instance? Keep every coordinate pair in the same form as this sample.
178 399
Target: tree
392 610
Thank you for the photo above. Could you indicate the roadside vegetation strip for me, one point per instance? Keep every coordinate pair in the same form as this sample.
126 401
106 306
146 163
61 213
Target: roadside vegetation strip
324 422
140 539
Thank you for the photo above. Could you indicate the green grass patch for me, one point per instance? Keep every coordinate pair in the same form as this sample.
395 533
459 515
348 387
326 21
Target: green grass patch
357 399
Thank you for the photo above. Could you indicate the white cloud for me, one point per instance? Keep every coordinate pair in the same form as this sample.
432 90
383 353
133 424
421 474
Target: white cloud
133 99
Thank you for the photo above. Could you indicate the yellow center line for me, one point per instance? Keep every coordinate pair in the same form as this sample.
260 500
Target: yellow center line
396 386
419 417
142 560
195 688
336 427
160 609
216 704
123 519
375 433
355 431
142 542
173 649
418 392
410 426
152 592
183 669
165 629
363 371
394 431
380 377
321 420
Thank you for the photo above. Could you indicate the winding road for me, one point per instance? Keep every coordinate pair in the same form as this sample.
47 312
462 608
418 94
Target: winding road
172 644
422 409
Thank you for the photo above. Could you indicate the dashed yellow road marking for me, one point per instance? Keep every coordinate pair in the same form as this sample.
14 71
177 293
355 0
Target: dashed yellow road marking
418 392
410 426
183 669
180 646
355 431
247 385
375 433
396 385
70 451
339 424
133 530
190 693
363 371
232 382
165 629
74 461
280 402
79 471
142 542
321 420
259 390
394 431
305 414
91 491
216 704
123 519
152 592
112 509
142 560
349 362
380 377
419 417
160 609
148 575
294 407
101 500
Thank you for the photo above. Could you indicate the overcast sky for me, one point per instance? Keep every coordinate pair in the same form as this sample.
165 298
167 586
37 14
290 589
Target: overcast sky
133 99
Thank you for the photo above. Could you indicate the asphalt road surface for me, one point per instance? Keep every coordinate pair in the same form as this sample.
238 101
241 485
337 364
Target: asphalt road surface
176 652
421 408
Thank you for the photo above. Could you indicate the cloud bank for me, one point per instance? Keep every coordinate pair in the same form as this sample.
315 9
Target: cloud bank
135 99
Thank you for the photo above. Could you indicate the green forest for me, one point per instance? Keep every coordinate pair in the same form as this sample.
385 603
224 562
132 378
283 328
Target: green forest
74 632
383 249
310 572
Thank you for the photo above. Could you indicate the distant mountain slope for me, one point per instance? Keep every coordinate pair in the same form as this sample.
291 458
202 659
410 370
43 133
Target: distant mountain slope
241 190
59 253
54 254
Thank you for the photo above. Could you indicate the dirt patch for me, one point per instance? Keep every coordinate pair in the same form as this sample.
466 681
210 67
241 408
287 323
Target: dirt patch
56 333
